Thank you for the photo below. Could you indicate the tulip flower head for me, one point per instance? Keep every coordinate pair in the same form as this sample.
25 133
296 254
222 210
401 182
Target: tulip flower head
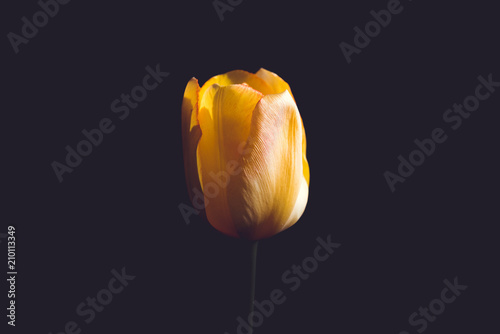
245 153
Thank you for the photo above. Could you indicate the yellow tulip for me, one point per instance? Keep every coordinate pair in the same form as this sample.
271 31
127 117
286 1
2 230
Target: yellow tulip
245 153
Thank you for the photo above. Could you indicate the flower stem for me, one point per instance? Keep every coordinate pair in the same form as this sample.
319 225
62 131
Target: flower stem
253 267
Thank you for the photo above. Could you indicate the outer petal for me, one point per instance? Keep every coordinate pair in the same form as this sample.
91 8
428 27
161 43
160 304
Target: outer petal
238 77
225 116
305 163
191 134
279 85
271 186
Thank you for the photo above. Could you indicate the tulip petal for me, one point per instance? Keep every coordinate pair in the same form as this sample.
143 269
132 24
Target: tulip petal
238 77
272 186
300 204
277 84
225 117
305 164
191 134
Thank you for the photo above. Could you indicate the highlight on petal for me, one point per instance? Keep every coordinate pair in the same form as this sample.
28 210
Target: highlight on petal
191 134
300 204
238 77
225 116
305 163
271 187
277 84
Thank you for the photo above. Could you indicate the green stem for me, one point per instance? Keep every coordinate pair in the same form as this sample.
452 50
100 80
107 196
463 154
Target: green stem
253 267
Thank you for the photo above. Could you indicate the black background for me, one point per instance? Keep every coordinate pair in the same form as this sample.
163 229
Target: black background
119 208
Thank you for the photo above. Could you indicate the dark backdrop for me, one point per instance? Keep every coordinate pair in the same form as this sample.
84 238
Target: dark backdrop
119 207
